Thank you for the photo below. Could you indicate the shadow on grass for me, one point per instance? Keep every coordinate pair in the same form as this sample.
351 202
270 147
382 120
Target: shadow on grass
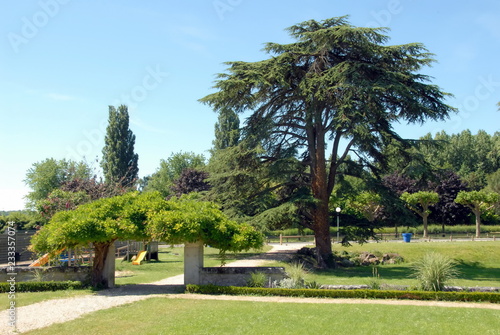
478 272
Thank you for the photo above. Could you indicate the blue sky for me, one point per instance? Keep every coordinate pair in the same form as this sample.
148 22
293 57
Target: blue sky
63 62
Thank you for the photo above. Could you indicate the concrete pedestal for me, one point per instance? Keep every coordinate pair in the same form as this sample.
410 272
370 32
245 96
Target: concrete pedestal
193 263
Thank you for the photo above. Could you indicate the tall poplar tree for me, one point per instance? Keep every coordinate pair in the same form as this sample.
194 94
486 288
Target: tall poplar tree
334 92
119 162
227 130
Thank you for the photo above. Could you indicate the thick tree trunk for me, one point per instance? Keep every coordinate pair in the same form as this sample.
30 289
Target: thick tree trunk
101 252
320 214
322 235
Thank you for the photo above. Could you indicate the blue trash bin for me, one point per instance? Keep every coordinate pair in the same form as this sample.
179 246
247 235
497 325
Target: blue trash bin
407 237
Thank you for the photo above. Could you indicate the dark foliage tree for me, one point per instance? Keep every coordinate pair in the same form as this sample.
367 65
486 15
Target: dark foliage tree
119 162
400 183
447 212
335 83
191 180
93 188
445 183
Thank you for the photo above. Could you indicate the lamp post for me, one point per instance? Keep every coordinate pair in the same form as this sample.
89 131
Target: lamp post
338 221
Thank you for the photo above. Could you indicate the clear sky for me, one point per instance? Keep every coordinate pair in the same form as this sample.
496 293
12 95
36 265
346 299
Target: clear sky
63 62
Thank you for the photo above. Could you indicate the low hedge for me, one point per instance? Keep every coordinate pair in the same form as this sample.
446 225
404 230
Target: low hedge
359 294
40 286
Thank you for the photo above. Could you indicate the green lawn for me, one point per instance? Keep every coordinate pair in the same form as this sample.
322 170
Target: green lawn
179 316
478 263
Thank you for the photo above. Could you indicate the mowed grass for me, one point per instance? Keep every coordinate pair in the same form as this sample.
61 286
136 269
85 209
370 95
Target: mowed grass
170 263
180 316
478 264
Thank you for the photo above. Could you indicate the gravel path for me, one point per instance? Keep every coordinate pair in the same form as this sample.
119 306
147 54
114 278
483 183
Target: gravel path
45 313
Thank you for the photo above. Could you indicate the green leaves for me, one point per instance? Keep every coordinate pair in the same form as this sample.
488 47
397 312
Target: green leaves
419 202
190 221
479 200
434 271
145 216
45 176
422 198
170 170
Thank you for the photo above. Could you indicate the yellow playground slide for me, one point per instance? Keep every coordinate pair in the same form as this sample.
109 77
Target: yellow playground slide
139 258
44 259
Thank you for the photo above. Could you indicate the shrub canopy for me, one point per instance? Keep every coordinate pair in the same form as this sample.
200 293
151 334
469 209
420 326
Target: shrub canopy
144 217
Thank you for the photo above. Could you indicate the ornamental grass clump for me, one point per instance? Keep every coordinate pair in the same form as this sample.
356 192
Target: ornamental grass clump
434 270
257 279
296 277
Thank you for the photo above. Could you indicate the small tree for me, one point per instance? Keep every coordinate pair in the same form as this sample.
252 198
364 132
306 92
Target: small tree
187 220
479 202
419 202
